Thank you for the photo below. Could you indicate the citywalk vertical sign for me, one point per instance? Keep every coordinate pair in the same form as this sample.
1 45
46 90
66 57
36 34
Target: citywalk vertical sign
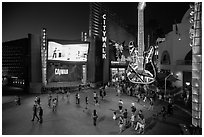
105 48
44 55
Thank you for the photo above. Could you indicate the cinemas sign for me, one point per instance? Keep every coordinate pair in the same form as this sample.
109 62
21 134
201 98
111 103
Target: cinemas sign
61 72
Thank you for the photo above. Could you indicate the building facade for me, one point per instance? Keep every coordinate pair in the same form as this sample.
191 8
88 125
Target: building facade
27 59
175 53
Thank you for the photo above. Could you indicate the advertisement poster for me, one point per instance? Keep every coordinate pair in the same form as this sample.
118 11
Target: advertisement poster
64 72
67 52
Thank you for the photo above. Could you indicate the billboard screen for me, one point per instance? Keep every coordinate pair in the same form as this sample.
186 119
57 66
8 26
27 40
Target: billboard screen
63 72
67 52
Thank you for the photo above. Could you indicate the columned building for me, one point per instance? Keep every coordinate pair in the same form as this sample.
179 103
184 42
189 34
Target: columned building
175 53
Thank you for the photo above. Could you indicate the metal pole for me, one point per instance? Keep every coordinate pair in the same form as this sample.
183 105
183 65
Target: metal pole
165 86
165 82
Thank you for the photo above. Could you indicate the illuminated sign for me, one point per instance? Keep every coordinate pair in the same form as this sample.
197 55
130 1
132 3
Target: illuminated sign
104 37
44 55
67 52
61 71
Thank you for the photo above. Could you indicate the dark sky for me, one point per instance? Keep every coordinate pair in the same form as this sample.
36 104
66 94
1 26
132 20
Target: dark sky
68 20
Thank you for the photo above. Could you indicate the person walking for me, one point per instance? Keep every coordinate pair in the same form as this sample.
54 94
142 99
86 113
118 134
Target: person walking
40 114
114 115
101 93
125 115
151 104
120 105
54 105
76 98
104 92
120 125
86 100
97 100
49 100
79 88
68 96
18 100
140 123
132 119
35 112
95 96
163 113
38 101
144 100
133 108
95 116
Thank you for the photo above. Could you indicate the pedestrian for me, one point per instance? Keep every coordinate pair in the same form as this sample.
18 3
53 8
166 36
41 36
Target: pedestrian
140 122
76 98
104 91
101 93
95 116
120 105
120 125
38 100
79 88
40 114
18 100
114 115
35 112
54 105
144 100
62 90
151 104
97 100
86 100
170 109
95 96
119 90
49 100
163 113
125 114
132 119
57 99
133 108
138 97
68 95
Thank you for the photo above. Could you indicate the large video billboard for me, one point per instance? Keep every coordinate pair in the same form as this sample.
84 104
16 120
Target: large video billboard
63 72
67 52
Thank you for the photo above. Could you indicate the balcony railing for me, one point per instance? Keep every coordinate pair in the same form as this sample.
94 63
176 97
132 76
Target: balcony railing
184 62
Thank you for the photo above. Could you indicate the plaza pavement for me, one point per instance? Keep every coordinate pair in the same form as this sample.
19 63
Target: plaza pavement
73 119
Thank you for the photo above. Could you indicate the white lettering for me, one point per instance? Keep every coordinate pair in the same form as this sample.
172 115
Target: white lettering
61 71
104 28
104 16
104 45
104 39
104 56
104 33
103 50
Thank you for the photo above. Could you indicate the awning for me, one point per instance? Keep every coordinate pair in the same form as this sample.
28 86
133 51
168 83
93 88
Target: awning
172 78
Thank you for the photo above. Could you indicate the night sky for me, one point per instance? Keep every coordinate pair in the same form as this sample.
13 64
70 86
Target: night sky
67 20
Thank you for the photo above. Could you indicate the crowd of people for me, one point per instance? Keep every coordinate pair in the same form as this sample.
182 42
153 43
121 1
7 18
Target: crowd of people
134 119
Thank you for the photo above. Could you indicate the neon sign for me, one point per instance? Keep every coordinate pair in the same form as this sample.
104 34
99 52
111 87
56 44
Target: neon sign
104 37
44 55
61 71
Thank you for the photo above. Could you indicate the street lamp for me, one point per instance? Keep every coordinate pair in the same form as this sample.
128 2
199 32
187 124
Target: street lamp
165 81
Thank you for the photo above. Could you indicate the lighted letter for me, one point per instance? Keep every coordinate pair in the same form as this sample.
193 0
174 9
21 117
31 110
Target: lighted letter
104 16
104 39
